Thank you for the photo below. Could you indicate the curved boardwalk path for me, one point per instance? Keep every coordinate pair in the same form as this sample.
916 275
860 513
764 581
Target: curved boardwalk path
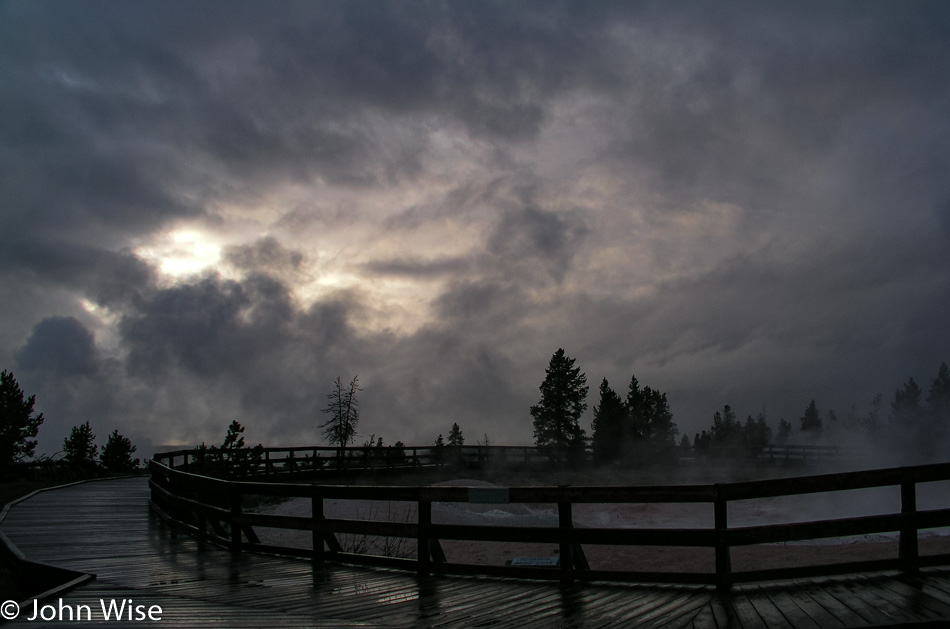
105 528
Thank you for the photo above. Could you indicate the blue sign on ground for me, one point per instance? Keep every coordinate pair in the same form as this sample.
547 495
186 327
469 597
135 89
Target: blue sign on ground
536 562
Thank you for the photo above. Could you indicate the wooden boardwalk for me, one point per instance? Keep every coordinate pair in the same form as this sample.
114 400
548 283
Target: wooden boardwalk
105 528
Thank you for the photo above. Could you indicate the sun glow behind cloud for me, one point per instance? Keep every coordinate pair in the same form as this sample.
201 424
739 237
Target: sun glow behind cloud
182 252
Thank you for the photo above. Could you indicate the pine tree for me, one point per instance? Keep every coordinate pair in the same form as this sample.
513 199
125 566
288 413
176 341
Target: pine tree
649 433
938 399
117 454
756 434
811 420
439 452
661 429
80 446
702 443
934 421
455 436
637 428
234 439
18 424
906 409
343 408
563 395
725 435
241 461
610 415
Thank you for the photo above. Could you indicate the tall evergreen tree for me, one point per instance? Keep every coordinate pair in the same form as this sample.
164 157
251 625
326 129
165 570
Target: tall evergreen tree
938 398
934 424
117 454
241 461
563 394
234 438
637 429
650 433
725 435
439 454
685 444
661 430
811 420
702 443
18 424
906 408
455 436
80 446
610 415
343 408
756 434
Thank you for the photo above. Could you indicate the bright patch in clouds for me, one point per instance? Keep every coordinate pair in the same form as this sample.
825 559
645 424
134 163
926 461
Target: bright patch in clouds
182 252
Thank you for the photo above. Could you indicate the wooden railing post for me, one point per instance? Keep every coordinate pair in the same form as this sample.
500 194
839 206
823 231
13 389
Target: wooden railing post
908 549
316 513
425 521
723 560
565 521
235 514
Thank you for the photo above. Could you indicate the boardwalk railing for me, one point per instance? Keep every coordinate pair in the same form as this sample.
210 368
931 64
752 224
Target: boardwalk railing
217 510
304 460
257 462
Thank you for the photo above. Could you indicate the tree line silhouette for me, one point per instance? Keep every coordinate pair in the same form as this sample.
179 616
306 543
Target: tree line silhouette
635 429
639 428
19 426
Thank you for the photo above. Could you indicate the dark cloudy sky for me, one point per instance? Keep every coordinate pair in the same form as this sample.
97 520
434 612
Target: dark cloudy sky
210 210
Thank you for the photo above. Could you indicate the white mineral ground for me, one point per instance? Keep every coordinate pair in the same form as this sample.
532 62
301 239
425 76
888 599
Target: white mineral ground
635 558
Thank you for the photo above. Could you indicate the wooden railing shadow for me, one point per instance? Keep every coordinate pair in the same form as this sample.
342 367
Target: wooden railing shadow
214 509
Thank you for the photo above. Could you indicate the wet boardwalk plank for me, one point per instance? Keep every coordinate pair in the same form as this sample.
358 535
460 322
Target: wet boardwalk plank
105 528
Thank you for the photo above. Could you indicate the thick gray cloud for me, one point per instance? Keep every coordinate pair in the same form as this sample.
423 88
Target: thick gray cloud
212 210
528 234
61 346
